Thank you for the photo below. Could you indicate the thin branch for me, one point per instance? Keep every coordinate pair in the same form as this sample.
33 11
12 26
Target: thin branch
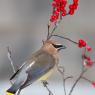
48 31
86 79
45 84
64 85
68 78
65 38
63 79
10 59
56 24
61 71
74 85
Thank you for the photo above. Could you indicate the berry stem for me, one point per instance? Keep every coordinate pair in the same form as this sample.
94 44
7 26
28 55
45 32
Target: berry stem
86 79
56 24
65 38
48 31
61 71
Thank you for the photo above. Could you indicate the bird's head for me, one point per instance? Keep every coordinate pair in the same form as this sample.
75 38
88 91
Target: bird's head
52 46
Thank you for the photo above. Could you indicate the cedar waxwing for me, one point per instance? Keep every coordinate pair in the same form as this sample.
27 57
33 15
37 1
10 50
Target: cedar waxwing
39 66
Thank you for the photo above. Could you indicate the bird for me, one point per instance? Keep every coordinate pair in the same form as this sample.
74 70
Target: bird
38 67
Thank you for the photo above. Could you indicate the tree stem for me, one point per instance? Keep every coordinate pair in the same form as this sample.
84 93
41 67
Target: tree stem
74 85
64 86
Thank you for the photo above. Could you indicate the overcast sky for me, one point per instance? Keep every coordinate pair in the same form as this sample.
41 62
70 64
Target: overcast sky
23 26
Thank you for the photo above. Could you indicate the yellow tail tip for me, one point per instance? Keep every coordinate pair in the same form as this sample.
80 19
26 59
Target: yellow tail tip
9 93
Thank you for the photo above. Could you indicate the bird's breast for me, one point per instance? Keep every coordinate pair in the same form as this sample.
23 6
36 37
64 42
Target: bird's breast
48 74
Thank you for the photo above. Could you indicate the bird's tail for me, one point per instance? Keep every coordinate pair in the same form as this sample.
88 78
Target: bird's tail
13 89
10 92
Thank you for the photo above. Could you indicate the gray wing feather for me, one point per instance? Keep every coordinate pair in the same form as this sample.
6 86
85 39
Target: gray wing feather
17 72
43 63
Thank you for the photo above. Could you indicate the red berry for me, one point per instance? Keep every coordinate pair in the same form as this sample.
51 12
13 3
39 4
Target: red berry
58 8
64 2
81 43
63 6
56 13
84 44
53 4
88 58
75 1
64 13
93 83
75 6
71 12
89 63
71 6
89 48
53 18
61 9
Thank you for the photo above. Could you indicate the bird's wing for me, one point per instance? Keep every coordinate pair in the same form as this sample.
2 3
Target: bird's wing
13 76
43 63
24 64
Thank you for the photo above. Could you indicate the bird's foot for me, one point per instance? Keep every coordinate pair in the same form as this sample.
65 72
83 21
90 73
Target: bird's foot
45 84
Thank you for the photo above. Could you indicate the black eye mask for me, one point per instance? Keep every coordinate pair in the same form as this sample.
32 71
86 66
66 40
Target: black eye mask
59 46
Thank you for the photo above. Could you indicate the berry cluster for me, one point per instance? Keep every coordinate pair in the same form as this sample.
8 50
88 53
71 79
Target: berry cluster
87 60
82 43
59 9
73 7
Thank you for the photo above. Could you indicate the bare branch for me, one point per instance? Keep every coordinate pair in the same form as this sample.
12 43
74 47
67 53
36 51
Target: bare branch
78 79
61 71
10 59
45 84
86 79
69 77
68 39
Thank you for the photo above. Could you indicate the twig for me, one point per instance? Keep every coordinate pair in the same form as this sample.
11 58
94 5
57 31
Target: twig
56 24
64 86
45 83
48 31
68 78
74 85
61 71
65 38
10 59
63 80
86 79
